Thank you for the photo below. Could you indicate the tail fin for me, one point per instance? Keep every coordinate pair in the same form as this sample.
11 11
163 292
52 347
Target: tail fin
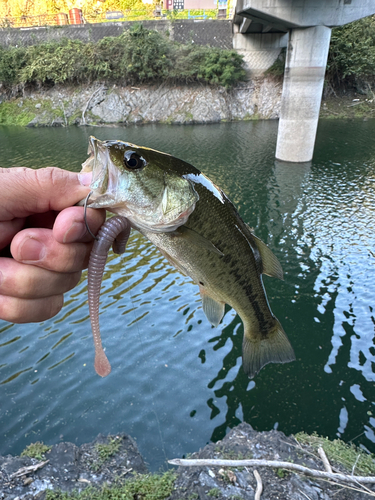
259 351
101 364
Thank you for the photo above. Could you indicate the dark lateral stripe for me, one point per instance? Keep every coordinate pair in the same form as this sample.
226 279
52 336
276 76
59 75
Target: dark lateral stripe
248 289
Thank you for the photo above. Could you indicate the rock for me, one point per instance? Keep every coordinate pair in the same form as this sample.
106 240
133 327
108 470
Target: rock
206 483
57 122
258 98
69 468
44 119
111 109
72 467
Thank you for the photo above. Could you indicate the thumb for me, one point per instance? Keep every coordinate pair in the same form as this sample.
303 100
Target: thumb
26 191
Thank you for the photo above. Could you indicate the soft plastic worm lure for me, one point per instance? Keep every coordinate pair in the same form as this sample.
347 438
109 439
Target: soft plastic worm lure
114 232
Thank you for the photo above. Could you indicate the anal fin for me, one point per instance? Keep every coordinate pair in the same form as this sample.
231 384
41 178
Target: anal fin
213 309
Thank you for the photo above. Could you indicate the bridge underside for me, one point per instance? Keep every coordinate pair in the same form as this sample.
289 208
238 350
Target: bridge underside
263 27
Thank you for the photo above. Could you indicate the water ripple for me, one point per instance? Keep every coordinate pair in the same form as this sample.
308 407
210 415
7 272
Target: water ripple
176 382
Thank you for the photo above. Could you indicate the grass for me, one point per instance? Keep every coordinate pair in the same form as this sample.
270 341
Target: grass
12 114
214 492
105 451
141 486
343 107
36 450
344 454
282 473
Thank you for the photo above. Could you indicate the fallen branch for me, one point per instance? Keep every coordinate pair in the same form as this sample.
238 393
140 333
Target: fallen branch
23 471
275 464
325 461
259 489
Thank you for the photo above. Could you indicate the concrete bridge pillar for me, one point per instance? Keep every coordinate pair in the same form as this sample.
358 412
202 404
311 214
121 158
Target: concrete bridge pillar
305 67
259 50
309 24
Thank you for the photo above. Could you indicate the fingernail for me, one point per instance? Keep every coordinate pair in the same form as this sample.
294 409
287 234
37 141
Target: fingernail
76 231
85 178
32 250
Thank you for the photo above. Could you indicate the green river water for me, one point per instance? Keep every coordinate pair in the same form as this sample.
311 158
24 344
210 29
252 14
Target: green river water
176 382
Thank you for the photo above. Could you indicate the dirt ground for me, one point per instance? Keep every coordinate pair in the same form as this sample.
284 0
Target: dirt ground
348 105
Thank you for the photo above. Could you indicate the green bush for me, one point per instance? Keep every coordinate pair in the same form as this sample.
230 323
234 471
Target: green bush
55 62
146 56
137 56
351 57
11 62
207 64
278 67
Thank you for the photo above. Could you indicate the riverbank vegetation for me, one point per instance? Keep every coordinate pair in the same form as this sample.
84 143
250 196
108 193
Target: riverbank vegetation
137 56
144 486
306 455
141 55
346 455
351 59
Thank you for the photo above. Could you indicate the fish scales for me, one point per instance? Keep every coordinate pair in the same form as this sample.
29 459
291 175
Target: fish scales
198 229
233 277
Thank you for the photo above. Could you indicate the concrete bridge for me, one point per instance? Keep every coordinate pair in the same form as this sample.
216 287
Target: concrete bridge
262 27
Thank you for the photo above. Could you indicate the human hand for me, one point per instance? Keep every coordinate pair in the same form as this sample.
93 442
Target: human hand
44 244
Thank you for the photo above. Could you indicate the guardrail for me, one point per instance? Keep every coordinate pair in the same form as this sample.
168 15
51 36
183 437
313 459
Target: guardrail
75 16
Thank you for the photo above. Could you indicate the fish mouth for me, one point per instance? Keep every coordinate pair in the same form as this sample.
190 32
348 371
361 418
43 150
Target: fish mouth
104 178
97 163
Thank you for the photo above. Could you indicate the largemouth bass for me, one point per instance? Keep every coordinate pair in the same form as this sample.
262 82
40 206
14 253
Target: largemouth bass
197 228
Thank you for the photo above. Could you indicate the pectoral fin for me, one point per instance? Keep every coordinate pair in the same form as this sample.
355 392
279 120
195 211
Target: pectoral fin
270 264
196 238
174 262
213 309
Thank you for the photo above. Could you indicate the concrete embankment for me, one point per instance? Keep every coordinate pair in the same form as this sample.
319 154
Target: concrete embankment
101 104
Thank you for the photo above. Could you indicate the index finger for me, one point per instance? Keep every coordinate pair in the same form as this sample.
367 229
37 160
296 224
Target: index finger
26 191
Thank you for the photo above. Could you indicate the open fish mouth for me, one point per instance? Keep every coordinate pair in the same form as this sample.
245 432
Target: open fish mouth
105 178
97 163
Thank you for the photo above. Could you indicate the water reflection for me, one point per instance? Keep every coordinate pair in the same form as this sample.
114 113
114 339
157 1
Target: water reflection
176 382
319 223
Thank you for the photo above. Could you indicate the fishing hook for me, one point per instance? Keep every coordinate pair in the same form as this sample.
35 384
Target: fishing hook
85 210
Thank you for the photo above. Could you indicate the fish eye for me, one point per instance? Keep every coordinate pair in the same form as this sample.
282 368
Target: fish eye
134 161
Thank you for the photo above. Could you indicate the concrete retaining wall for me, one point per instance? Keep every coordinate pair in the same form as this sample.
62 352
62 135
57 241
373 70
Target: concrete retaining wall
216 33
